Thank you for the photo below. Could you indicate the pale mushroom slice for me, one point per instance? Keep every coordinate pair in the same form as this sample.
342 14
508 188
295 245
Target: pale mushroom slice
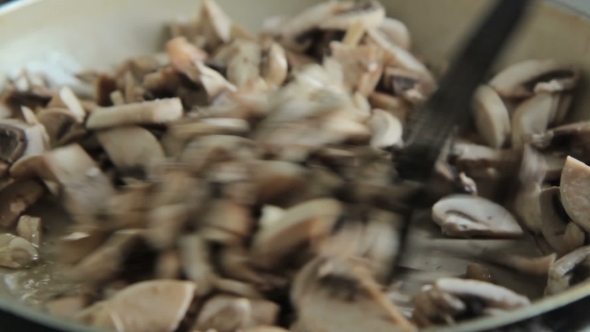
204 151
131 148
574 188
380 242
523 79
363 66
165 223
370 12
396 31
215 26
19 139
555 224
299 225
223 313
531 176
532 118
491 117
16 198
243 68
387 130
16 252
209 126
568 271
75 246
274 66
227 216
184 56
107 260
29 228
148 112
158 305
466 216
450 299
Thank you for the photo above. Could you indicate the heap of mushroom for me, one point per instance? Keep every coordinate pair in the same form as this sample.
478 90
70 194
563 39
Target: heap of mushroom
241 182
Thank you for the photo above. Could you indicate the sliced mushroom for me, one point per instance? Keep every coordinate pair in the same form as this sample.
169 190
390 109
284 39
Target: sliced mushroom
194 255
450 300
229 217
479 272
29 228
184 56
525 78
146 306
467 216
299 225
204 151
531 177
224 313
73 104
491 117
237 288
532 266
108 259
215 25
387 130
555 223
243 67
168 265
274 66
165 224
574 188
380 242
397 106
212 126
21 139
131 148
363 66
61 125
414 87
16 198
396 31
568 271
16 252
532 118
278 181
68 306
148 112
74 247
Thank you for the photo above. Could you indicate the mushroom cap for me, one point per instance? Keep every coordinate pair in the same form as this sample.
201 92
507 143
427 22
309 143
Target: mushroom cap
491 117
149 306
466 215
574 190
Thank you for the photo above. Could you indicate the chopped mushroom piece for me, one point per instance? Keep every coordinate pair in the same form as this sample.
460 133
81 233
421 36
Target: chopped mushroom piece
16 252
194 255
574 189
147 306
568 271
450 300
148 112
19 139
563 236
77 245
467 216
29 228
525 78
16 198
387 130
532 118
491 117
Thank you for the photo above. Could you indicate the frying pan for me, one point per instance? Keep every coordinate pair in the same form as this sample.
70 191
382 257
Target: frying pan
58 36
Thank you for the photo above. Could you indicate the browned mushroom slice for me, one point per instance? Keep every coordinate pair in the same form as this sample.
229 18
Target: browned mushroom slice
479 272
21 139
29 228
215 25
387 130
274 67
224 313
165 223
491 117
479 161
532 118
363 66
555 222
449 300
131 148
414 87
229 217
148 112
16 198
85 188
168 265
16 252
235 263
568 271
278 181
194 255
466 216
525 78
146 306
77 245
61 126
108 259
204 151
300 224
574 188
